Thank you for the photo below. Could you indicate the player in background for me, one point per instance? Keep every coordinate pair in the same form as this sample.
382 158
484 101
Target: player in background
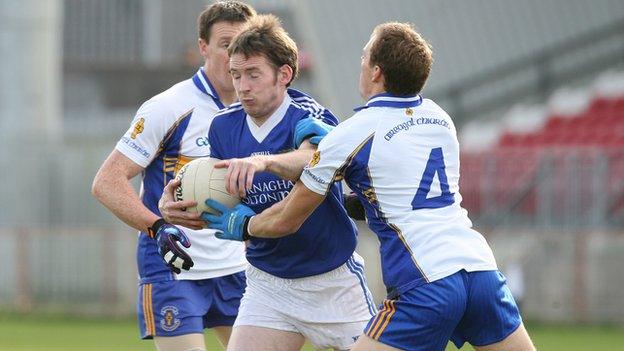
168 131
400 154
309 284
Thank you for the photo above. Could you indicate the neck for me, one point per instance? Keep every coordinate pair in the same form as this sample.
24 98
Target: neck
226 95
376 90
259 120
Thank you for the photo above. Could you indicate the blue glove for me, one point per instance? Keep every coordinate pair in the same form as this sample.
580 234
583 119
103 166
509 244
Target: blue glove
310 127
167 238
232 223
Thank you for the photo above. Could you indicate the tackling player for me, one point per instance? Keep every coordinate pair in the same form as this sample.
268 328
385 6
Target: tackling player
400 154
167 132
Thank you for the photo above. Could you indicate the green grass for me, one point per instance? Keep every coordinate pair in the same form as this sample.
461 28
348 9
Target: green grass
29 333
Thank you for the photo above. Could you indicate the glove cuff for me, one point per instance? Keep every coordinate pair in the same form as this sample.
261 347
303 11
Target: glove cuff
151 231
246 234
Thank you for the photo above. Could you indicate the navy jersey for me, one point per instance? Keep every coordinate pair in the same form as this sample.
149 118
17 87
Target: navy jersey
327 238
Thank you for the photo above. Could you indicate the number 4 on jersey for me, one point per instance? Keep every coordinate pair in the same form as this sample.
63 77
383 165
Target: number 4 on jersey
435 164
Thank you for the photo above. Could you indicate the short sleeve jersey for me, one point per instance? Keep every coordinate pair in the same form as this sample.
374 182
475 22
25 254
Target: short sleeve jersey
327 239
168 131
401 156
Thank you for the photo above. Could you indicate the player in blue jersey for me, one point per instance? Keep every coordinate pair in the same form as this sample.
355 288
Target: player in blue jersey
176 305
309 284
400 154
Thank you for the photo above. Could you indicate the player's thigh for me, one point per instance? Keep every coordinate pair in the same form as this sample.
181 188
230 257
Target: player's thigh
519 340
223 334
252 338
188 342
491 314
364 343
171 308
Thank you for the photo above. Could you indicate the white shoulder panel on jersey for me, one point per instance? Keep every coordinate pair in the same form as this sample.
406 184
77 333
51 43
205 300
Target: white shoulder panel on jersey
334 151
154 119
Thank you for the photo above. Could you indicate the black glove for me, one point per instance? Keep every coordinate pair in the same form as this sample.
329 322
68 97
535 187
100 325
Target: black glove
167 237
354 207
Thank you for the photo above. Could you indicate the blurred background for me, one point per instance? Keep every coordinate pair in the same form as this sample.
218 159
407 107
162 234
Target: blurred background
536 89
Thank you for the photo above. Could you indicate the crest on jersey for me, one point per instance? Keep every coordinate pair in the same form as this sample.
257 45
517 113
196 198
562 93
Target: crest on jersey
409 111
138 128
169 322
315 159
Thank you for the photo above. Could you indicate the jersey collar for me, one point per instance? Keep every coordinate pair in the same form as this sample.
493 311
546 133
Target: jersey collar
389 100
203 84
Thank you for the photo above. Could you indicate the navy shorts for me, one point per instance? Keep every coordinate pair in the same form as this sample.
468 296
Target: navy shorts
180 307
475 307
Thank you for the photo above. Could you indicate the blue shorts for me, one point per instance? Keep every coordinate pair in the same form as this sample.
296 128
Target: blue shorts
180 307
475 307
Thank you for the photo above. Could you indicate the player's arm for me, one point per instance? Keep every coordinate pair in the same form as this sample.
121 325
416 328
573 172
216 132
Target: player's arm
287 216
112 187
241 171
307 134
283 218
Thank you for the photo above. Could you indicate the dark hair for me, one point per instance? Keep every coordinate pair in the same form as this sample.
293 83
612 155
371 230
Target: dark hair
228 11
264 35
404 57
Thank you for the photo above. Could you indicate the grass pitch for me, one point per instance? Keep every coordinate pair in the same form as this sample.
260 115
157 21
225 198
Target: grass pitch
34 333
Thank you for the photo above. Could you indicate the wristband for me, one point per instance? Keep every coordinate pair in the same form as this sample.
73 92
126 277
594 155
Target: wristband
151 231
246 234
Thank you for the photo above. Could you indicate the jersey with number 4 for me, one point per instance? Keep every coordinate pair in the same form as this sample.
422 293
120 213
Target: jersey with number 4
401 156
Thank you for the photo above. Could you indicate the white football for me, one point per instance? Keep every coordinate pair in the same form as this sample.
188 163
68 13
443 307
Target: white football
200 181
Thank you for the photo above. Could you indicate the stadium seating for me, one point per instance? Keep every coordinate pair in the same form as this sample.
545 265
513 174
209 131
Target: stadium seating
581 148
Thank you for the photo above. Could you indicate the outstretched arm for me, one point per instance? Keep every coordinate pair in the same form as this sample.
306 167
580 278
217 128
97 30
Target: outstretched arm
286 216
241 171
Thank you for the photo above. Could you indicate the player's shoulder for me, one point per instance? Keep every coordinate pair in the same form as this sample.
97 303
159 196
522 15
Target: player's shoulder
310 107
180 92
300 97
351 132
234 111
433 108
172 102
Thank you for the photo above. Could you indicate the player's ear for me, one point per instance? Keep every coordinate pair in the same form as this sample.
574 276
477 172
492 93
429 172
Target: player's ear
203 47
377 74
284 74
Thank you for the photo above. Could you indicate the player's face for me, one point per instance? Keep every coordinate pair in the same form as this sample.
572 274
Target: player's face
216 55
259 85
366 72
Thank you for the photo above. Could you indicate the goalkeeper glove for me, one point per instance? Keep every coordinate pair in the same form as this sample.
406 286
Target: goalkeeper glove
167 237
310 127
232 223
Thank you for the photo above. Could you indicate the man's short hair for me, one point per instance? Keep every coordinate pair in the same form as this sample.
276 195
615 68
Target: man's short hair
222 11
404 57
264 35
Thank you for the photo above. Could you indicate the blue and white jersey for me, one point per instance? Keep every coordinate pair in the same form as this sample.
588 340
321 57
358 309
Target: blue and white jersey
327 238
401 156
168 131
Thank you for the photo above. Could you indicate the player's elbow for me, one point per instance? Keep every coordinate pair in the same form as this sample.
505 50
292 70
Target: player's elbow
286 226
103 184
97 187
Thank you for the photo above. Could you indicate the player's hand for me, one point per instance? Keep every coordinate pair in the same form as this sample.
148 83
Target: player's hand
168 237
175 212
312 128
240 174
354 207
232 223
